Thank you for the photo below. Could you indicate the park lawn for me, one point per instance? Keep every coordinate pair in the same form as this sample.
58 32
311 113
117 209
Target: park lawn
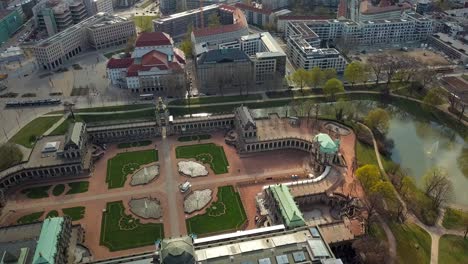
78 187
377 231
33 217
453 249
125 163
226 214
455 219
143 114
37 192
114 108
34 129
413 243
62 129
207 153
216 99
135 234
134 144
193 138
75 213
58 189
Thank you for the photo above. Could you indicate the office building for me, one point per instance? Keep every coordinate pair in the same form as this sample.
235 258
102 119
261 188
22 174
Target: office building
155 67
55 16
422 6
255 15
364 10
11 21
167 7
275 4
177 25
97 32
100 6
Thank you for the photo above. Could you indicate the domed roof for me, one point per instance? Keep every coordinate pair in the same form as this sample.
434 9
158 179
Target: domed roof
177 251
327 145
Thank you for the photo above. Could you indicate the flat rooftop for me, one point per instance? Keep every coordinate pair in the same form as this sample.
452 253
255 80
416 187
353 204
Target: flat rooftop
14 239
186 13
275 127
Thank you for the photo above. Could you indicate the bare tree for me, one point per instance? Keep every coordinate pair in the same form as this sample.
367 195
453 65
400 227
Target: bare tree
438 186
376 64
426 76
391 66
371 250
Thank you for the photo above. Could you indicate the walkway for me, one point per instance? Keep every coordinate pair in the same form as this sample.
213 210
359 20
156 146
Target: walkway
57 124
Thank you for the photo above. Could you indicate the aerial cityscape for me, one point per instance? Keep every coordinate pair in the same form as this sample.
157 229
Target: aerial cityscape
233 131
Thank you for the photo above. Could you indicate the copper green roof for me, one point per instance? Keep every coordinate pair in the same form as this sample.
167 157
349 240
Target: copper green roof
327 145
292 216
48 239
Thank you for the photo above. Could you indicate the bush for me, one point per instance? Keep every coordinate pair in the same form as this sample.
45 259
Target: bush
9 155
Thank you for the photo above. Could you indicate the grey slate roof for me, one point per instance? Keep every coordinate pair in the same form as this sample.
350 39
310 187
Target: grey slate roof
223 56
245 117
74 133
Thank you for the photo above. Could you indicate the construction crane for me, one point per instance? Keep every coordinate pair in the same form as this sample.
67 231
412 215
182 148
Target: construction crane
202 21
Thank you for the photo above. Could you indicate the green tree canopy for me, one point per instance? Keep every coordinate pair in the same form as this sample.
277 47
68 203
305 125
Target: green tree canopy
329 73
332 87
354 72
300 78
368 175
213 21
378 119
434 97
316 77
186 45
10 155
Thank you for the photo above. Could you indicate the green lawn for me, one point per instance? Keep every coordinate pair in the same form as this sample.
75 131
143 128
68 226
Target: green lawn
413 243
114 108
37 192
52 213
377 231
34 129
226 214
120 231
78 187
143 114
134 144
62 129
125 163
193 138
58 189
216 99
453 249
207 153
26 219
75 213
365 154
455 219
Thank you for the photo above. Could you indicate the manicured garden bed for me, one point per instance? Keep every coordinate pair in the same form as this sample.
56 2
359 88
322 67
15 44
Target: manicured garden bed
78 187
33 217
207 153
120 231
193 138
52 213
134 144
226 214
58 189
37 192
75 213
125 163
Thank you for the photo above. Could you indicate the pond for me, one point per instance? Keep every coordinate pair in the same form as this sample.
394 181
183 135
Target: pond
418 144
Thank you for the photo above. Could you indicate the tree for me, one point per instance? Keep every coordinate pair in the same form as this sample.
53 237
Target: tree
10 155
438 186
371 249
378 119
354 72
316 76
130 46
329 73
425 76
213 21
376 64
332 87
186 45
434 97
300 78
391 65
368 175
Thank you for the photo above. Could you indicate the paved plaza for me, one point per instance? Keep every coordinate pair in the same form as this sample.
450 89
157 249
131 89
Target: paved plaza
247 174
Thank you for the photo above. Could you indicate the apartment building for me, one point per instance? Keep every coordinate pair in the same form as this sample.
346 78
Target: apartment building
364 10
167 7
256 16
154 67
55 16
275 4
177 25
99 31
452 47
98 6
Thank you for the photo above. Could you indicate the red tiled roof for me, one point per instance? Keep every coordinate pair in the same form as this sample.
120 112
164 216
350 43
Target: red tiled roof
119 63
238 17
227 7
342 6
153 39
153 59
253 9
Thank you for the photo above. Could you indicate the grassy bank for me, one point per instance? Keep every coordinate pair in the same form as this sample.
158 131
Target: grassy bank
453 249
29 133
413 243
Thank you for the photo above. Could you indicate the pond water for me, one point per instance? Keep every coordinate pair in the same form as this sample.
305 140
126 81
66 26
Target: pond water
418 145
